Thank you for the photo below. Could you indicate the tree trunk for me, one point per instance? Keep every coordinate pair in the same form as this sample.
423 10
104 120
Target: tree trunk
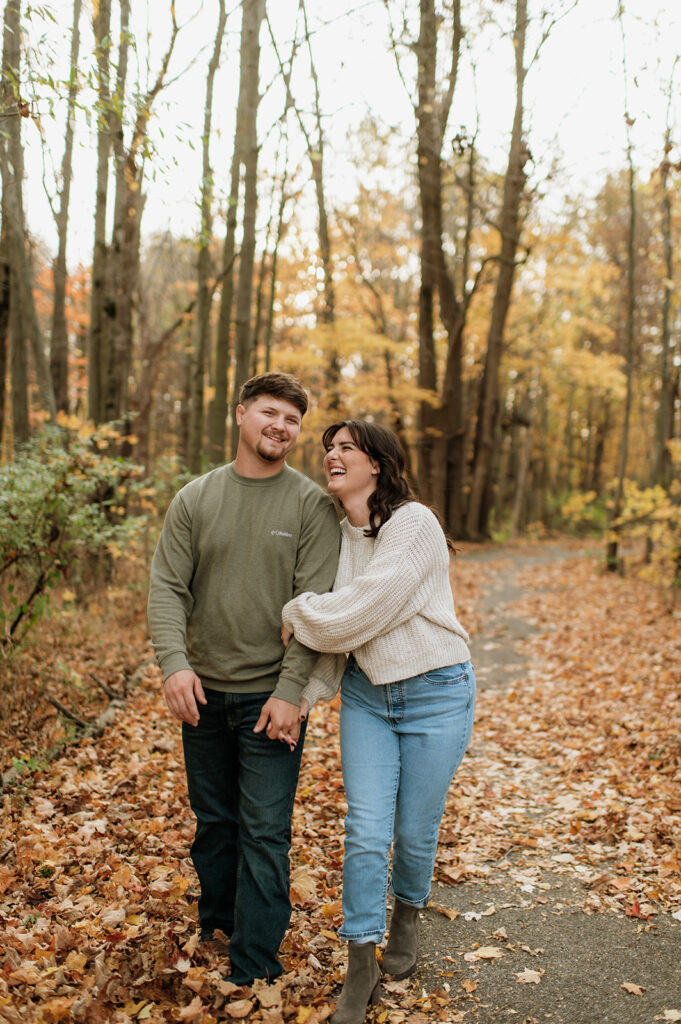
611 557
123 269
275 259
59 348
429 143
262 277
520 497
514 182
661 461
4 324
115 251
220 406
151 356
565 464
442 420
452 413
611 554
12 320
328 311
25 317
249 98
102 33
315 152
204 264
21 430
602 430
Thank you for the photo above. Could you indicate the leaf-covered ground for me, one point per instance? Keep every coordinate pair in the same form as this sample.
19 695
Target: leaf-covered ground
574 772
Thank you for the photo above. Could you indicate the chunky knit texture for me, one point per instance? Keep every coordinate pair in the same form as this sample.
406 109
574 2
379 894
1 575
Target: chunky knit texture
391 606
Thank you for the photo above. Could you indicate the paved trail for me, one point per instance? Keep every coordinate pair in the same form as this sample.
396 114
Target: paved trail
540 923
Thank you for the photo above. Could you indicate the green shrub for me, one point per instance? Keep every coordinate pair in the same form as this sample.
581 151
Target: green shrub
64 504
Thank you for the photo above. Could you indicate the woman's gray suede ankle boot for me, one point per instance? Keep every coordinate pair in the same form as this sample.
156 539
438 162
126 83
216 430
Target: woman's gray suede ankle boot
399 959
362 984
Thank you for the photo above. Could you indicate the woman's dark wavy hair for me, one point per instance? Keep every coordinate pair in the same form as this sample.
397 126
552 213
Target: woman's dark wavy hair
383 446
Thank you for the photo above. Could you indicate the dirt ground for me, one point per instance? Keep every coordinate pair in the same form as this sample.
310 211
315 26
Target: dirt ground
539 924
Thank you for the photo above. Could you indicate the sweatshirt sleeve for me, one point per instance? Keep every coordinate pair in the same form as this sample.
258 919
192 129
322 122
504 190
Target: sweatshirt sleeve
379 599
170 600
325 679
316 564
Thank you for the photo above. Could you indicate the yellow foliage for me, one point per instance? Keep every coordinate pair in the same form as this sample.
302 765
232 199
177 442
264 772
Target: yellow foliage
654 513
574 508
601 372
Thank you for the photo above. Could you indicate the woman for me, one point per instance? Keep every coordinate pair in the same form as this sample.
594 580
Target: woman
407 696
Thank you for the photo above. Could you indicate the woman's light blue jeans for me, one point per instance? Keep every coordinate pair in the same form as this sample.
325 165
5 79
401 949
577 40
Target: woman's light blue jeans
400 747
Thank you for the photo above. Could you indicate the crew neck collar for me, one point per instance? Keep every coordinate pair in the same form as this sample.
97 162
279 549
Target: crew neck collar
356 532
257 481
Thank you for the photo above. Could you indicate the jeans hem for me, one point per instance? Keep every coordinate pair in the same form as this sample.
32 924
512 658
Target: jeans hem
376 937
421 904
247 979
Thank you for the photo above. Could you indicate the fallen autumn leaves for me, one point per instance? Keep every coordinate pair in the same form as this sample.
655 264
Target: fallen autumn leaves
574 769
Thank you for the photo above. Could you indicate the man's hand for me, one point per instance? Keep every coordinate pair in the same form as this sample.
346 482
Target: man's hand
182 690
280 720
286 635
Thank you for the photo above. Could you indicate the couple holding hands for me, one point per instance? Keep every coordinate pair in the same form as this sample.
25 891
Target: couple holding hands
262 604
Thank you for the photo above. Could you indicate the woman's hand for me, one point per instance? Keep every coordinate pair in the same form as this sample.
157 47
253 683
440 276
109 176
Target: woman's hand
286 635
304 709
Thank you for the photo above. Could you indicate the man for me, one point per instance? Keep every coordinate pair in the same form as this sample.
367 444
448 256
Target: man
236 545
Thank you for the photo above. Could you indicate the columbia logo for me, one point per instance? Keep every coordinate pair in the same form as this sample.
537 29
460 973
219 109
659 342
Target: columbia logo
281 533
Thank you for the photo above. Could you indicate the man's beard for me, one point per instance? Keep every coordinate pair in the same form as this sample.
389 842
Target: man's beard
269 456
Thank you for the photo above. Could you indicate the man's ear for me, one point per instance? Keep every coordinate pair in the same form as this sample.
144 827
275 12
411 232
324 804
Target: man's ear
240 410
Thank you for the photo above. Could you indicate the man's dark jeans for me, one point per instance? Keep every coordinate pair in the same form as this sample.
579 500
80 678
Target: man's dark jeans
241 788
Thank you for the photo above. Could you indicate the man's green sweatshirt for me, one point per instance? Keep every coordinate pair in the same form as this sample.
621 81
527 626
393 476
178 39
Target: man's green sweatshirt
232 552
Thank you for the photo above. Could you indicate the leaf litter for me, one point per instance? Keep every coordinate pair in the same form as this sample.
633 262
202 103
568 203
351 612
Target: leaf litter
574 768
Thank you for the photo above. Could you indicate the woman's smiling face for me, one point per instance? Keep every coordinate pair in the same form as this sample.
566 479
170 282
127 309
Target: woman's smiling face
349 470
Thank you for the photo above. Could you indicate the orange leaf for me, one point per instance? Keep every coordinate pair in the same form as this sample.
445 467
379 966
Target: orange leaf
57 1009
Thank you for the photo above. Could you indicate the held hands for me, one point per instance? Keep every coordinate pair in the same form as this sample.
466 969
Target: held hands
304 709
182 690
280 720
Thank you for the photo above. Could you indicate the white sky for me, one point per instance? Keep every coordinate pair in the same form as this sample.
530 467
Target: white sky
574 96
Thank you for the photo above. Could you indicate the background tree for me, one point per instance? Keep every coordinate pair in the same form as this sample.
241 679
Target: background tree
479 502
253 12
59 347
612 546
101 24
123 256
24 326
661 466
204 262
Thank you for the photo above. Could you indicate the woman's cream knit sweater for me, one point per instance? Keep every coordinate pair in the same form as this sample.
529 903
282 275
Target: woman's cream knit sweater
391 605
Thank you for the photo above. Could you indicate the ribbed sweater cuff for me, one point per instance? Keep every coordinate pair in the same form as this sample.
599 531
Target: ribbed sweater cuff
174 662
289 690
316 691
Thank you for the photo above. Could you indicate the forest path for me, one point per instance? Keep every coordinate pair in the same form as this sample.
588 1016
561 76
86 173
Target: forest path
558 879
498 652
547 950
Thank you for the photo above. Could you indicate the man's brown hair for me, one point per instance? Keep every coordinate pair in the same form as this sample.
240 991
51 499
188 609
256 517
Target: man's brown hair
278 385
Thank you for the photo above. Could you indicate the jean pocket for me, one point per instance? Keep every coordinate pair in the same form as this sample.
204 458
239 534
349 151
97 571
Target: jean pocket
450 675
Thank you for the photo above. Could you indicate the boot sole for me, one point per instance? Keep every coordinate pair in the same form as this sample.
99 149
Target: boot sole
401 974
